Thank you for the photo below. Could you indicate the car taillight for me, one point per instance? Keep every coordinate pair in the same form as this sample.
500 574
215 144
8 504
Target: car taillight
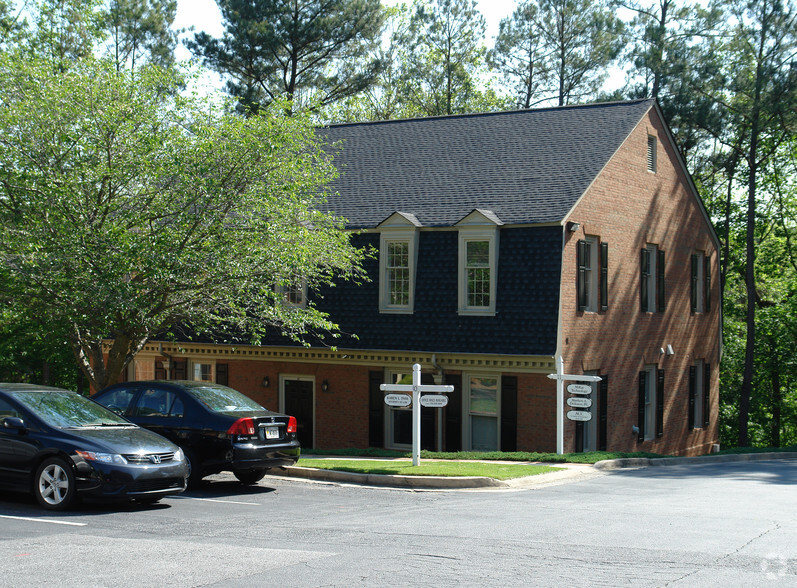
243 426
291 424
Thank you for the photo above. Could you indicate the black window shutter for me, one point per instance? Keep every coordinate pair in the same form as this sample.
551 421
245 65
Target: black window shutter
706 393
693 281
453 414
707 284
643 377
661 303
604 279
581 280
376 410
508 413
222 374
179 369
603 400
645 276
692 390
659 403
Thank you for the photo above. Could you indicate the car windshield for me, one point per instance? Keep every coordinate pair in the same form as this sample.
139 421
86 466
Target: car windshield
222 399
64 409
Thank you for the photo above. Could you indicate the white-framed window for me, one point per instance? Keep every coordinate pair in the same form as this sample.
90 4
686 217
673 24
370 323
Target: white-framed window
398 254
652 279
592 278
700 282
478 264
652 144
294 292
398 419
202 372
482 409
650 403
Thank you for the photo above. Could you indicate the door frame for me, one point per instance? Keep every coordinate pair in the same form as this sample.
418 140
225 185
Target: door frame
297 378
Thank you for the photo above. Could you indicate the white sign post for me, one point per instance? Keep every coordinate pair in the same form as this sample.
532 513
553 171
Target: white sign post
416 390
560 378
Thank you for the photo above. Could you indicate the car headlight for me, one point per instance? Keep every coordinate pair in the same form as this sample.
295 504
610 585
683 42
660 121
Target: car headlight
102 457
179 455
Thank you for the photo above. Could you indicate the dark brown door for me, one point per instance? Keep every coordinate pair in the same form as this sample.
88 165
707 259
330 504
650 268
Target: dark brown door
299 403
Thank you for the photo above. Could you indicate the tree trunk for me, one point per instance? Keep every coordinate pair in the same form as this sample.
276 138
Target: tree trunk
777 395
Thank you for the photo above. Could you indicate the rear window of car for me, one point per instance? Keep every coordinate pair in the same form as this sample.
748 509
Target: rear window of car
222 399
64 409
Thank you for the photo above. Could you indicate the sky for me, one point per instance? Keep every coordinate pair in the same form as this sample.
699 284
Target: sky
204 15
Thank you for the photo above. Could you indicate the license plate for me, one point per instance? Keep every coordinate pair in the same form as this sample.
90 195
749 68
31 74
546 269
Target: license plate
272 433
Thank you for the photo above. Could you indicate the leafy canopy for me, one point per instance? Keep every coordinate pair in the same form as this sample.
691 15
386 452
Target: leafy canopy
127 209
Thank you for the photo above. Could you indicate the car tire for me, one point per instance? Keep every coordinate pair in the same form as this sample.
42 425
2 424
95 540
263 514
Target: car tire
250 476
54 484
194 478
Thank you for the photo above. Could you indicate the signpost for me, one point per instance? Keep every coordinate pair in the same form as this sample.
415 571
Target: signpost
398 400
416 388
578 402
560 378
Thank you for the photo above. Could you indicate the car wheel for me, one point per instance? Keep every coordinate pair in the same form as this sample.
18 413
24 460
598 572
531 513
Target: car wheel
250 476
194 469
54 484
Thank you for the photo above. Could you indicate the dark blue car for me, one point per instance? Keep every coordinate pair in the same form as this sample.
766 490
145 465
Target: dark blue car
60 445
218 428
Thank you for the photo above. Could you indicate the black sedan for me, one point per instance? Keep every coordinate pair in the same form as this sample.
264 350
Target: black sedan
60 445
218 428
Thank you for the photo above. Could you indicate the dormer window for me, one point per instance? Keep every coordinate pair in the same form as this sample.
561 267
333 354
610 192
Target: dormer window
478 262
398 246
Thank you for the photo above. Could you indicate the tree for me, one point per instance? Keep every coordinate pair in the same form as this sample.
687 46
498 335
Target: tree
582 38
748 75
64 31
129 210
306 50
519 54
140 31
442 59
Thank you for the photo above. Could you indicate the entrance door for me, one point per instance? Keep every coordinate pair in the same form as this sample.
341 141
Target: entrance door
299 403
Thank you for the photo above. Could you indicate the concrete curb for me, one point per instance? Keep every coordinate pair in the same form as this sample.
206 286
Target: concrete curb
391 481
641 462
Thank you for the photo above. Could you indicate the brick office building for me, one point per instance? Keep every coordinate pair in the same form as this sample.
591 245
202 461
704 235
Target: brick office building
504 241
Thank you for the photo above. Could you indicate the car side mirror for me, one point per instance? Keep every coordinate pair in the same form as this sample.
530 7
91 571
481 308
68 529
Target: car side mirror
14 423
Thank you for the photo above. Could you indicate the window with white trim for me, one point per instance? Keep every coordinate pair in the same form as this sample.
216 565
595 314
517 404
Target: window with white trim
700 282
652 279
482 408
478 258
397 255
592 277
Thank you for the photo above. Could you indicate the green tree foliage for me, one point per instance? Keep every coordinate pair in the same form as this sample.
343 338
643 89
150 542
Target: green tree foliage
581 38
749 76
519 54
127 209
140 31
442 59
64 31
306 50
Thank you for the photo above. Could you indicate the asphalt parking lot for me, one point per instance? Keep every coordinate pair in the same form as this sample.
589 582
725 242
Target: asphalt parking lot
693 524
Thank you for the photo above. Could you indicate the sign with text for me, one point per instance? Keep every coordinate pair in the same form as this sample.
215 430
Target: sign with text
579 402
579 389
579 415
398 400
434 400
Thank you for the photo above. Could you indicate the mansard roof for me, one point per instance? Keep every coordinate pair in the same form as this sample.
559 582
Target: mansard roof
525 166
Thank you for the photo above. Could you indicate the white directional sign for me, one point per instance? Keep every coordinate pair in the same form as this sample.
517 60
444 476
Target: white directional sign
398 400
579 389
434 400
579 402
579 415
416 389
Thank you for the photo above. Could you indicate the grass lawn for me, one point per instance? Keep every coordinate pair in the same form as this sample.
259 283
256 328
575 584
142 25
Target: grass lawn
498 471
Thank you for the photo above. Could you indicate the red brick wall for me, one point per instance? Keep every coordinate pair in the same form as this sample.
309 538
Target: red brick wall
629 207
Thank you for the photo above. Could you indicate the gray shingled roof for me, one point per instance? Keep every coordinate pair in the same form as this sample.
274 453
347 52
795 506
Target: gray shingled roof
527 166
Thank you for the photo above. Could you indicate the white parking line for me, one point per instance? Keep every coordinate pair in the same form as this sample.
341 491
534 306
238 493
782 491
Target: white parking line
50 521
214 500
